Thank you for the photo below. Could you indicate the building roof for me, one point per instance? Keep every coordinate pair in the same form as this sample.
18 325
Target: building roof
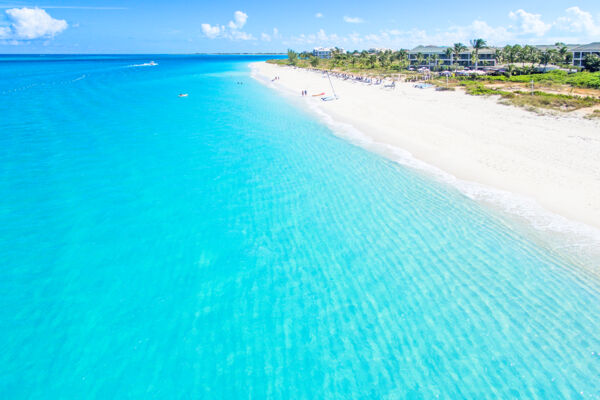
588 47
544 47
428 49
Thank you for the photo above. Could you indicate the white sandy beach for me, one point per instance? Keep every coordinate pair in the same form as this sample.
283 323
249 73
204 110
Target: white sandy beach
554 160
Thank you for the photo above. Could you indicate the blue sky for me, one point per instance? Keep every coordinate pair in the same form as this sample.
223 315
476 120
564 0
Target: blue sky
177 26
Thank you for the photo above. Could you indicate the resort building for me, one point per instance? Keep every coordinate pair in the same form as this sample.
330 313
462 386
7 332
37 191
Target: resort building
580 52
544 47
431 56
322 52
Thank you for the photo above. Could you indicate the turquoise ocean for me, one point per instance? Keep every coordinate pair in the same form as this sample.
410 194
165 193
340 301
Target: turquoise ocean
228 245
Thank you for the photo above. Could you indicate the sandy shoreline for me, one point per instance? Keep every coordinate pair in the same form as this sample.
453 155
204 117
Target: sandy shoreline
553 160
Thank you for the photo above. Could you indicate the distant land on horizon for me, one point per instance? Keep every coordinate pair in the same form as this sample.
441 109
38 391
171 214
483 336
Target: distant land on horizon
139 54
245 54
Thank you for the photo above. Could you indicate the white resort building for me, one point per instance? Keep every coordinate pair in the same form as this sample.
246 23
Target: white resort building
431 56
322 52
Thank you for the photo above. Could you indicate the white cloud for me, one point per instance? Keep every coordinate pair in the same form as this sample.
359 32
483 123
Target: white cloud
355 38
239 35
211 31
321 38
579 21
232 31
353 20
529 23
31 23
575 26
481 29
318 15
239 20
267 37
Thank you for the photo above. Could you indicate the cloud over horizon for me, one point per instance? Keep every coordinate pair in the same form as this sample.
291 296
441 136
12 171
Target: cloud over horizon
232 31
575 26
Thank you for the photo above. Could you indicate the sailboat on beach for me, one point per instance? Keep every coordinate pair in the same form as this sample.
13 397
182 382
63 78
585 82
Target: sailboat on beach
330 98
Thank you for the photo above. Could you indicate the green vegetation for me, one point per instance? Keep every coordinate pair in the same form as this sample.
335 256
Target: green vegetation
292 57
579 79
479 89
558 102
537 99
477 45
592 62
529 54
594 114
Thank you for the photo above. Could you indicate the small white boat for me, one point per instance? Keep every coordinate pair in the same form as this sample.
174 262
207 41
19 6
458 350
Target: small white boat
183 95
151 63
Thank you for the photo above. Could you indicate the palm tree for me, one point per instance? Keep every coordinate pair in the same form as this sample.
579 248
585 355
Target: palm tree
510 53
457 49
420 59
547 57
384 59
435 59
401 56
448 54
314 61
530 54
562 52
477 45
510 70
499 56
474 58
372 60
363 57
292 56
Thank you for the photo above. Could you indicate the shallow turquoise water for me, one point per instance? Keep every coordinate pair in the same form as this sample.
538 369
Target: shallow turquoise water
227 245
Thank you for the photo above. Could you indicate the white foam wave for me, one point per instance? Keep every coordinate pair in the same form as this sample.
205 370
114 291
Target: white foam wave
148 64
575 237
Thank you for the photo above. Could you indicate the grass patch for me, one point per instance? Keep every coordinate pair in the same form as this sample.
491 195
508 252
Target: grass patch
551 101
595 114
584 79
479 89
532 101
